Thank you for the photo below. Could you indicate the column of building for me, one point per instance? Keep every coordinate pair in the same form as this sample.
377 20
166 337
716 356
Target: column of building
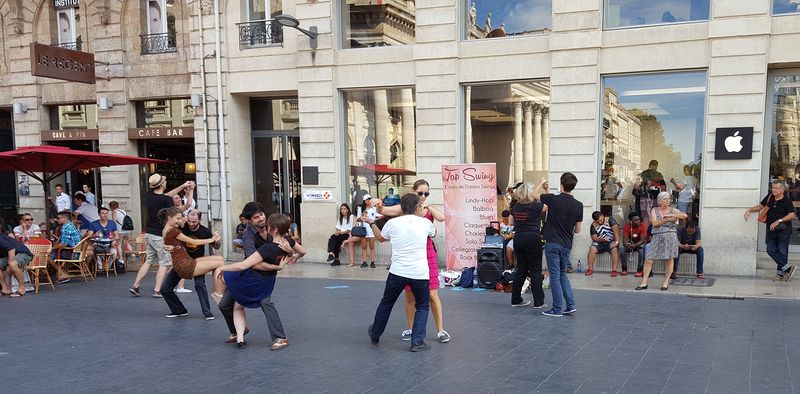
530 149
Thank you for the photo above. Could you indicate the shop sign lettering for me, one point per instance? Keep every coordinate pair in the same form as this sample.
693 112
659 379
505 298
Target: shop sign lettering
69 135
63 64
155 133
62 4
317 195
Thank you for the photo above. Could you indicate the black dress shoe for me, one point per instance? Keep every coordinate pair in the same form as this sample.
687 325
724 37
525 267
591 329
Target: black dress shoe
421 347
242 344
335 263
331 258
371 338
641 287
364 265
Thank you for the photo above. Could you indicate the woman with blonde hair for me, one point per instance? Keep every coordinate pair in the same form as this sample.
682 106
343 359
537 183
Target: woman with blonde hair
664 245
526 217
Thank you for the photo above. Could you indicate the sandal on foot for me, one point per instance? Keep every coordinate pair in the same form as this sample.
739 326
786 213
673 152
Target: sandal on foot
701 276
16 294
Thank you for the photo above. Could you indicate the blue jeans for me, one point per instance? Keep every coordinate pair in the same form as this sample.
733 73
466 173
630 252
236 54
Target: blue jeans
624 254
778 248
202 294
698 253
394 287
557 261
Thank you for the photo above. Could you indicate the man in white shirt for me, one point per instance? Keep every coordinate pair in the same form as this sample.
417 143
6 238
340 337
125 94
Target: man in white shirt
62 199
90 198
87 211
409 235
27 228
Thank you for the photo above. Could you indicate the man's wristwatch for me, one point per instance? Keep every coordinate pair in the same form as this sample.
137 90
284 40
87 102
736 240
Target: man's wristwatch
780 220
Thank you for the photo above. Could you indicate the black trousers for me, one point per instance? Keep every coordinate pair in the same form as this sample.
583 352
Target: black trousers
168 292
528 250
335 243
202 294
273 319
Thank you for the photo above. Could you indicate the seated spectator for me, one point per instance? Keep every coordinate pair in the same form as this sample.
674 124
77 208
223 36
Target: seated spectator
14 257
237 241
634 237
689 242
507 231
104 233
27 229
294 230
343 227
605 234
85 211
69 236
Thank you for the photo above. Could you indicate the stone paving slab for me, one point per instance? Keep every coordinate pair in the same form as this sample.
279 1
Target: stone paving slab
96 338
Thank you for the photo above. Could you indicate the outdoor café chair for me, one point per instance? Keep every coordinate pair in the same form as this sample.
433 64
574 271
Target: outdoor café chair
40 248
76 263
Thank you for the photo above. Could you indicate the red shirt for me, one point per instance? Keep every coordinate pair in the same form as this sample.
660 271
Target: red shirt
634 235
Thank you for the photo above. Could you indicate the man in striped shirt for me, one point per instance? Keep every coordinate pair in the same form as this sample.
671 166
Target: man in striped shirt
605 238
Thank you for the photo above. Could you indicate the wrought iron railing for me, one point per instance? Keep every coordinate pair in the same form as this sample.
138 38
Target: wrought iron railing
259 33
75 46
158 43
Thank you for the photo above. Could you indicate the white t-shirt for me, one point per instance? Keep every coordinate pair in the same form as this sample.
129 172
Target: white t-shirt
34 230
373 214
119 217
63 202
347 225
689 185
409 237
88 211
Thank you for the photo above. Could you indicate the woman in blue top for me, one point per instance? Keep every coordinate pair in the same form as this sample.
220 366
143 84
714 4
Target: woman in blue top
249 287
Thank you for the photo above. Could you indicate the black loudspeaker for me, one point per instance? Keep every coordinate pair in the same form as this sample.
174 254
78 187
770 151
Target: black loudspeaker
490 267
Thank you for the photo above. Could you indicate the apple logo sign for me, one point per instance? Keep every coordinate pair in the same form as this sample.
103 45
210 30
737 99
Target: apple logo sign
733 143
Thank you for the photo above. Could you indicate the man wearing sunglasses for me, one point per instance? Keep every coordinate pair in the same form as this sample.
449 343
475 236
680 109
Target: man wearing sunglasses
26 229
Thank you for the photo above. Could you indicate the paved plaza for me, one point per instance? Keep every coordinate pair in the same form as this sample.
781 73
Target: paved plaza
95 337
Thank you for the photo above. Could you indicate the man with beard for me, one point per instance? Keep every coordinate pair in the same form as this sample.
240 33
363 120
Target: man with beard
193 229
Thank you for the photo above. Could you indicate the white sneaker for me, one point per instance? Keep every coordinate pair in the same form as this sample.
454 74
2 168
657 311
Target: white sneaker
183 290
443 336
406 335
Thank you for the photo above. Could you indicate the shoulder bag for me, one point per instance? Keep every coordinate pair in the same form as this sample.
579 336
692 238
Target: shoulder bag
762 214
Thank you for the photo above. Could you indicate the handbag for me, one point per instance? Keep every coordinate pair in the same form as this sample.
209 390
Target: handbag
762 214
359 231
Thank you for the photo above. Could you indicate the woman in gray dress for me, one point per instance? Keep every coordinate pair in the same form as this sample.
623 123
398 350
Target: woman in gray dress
664 245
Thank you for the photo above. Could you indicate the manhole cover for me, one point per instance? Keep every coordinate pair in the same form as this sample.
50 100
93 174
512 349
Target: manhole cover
689 281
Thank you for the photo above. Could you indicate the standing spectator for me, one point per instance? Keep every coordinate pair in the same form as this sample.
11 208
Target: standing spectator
779 227
62 199
180 202
634 239
294 229
86 212
409 235
651 182
564 218
689 242
90 197
156 200
14 257
343 227
664 244
194 230
507 231
686 187
239 230
118 215
605 239
27 229
69 236
526 217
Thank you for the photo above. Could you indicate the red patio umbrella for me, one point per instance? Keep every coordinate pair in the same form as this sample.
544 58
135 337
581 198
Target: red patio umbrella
378 173
53 161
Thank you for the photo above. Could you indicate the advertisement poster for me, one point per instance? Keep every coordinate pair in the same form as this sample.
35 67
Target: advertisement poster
470 203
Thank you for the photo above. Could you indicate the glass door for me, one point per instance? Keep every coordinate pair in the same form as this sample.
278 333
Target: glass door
276 161
783 121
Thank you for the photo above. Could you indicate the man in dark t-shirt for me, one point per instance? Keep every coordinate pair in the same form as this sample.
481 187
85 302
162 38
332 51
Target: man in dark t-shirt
156 200
564 217
14 257
689 241
779 227
194 230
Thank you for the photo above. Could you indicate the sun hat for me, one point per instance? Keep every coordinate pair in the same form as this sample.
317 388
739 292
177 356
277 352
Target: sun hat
156 180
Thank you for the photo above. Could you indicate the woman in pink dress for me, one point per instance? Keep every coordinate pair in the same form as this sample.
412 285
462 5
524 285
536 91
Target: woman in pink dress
422 188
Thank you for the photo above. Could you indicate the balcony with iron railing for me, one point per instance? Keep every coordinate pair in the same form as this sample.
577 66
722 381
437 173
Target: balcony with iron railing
260 33
158 43
75 46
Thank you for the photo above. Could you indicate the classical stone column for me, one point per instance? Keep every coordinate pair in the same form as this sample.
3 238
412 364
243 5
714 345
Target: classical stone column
537 136
382 125
469 156
528 135
518 164
546 139
409 136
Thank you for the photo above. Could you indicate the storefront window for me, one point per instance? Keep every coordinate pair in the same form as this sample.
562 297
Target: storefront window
624 13
78 116
492 18
381 142
371 24
164 113
784 161
509 125
785 7
652 141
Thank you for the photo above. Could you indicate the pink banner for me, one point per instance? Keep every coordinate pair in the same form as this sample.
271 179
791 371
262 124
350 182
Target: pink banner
470 203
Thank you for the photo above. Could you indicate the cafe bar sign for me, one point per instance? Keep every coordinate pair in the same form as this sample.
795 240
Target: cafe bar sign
59 63
64 4
160 133
70 135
